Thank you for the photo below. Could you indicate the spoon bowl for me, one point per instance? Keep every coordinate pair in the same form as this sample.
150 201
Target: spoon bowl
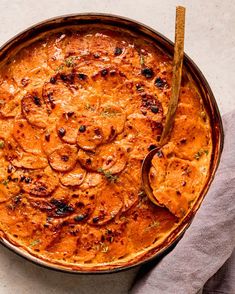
145 175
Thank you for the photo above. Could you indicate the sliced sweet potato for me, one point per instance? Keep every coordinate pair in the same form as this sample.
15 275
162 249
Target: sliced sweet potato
144 125
171 199
107 80
57 96
27 136
114 115
148 223
34 109
189 137
40 183
105 209
175 182
69 122
114 158
91 135
30 161
50 141
74 178
107 158
84 203
64 158
127 191
10 104
142 228
8 189
114 243
91 180
66 243
88 244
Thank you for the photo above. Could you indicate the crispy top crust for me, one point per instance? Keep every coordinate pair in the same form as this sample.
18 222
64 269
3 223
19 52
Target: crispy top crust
79 111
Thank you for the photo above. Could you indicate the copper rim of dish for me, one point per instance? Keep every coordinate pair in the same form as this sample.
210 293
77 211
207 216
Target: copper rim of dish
202 85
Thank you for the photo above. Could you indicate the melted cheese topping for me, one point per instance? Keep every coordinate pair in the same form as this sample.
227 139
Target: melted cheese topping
79 110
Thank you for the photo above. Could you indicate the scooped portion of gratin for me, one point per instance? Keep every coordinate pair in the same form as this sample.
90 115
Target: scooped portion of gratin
79 111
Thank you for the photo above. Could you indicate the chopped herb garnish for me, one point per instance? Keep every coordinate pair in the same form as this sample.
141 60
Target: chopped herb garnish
82 129
34 243
142 59
1 144
104 247
200 153
147 72
108 175
117 51
89 107
153 225
59 68
109 111
159 82
5 182
70 61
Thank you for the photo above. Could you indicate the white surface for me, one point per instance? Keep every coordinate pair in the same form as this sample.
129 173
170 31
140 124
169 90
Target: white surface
210 42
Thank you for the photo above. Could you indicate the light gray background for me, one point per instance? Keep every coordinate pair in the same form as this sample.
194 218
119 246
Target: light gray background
210 42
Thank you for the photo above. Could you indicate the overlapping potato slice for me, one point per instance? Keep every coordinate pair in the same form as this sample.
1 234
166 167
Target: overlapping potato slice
34 109
114 242
112 115
105 209
175 182
107 80
189 137
172 200
9 104
128 184
27 136
146 224
87 244
74 178
22 159
110 158
65 245
91 180
29 161
90 134
8 189
69 123
39 183
144 125
63 158
55 52
50 140
57 96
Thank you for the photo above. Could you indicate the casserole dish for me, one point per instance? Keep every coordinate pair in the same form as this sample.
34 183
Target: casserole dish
63 161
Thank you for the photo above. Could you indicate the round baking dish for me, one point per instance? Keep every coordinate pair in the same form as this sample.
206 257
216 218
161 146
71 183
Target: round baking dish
50 25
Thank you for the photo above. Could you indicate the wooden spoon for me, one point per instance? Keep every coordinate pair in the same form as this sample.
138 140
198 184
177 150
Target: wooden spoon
176 82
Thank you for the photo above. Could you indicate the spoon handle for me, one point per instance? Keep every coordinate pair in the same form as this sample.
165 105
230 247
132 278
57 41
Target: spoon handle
177 72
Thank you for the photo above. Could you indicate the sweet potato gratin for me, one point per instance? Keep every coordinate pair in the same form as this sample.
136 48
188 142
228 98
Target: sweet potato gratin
79 111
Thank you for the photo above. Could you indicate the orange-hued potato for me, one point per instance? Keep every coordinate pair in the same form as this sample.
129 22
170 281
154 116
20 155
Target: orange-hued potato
80 108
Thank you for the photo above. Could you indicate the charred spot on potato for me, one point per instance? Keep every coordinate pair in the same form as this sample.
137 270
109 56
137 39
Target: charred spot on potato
82 128
117 51
37 100
82 76
61 132
160 83
147 72
53 80
104 72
